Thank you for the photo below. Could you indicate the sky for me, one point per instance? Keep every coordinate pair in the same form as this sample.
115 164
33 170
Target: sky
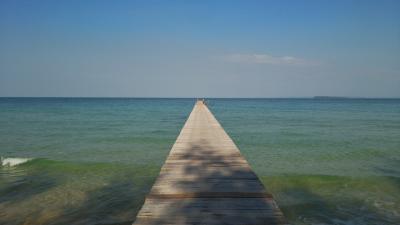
200 48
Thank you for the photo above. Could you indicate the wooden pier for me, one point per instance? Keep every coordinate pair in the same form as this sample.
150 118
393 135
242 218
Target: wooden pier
205 180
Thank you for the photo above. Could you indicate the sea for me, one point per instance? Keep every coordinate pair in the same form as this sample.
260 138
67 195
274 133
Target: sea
93 160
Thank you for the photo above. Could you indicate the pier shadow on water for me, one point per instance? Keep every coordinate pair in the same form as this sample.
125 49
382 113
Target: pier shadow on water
316 209
323 199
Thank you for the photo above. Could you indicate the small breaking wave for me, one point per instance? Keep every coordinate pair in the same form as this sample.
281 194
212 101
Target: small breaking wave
13 161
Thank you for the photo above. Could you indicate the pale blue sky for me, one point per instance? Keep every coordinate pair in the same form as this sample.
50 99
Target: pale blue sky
200 48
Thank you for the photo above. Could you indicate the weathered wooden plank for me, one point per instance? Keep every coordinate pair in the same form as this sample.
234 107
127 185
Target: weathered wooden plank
205 180
211 211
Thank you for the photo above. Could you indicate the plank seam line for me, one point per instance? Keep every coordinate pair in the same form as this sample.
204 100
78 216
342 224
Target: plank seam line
210 195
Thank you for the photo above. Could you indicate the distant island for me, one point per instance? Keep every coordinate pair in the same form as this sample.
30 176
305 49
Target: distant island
330 97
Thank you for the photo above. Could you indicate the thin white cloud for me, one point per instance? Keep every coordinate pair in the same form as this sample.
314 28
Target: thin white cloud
268 59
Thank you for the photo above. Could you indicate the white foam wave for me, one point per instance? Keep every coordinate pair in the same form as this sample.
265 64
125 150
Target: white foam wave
13 161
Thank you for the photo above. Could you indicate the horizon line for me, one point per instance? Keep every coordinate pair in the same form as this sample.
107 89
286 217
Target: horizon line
214 97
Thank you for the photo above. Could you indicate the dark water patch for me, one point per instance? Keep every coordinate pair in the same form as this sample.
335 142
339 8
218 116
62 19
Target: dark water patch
116 203
23 185
337 200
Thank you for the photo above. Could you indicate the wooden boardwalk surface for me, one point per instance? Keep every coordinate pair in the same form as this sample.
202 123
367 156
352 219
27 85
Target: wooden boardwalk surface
205 180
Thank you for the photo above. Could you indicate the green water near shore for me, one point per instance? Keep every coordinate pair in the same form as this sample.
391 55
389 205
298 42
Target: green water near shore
43 191
94 160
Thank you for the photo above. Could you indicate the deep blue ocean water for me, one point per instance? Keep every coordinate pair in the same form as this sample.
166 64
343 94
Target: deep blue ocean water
92 160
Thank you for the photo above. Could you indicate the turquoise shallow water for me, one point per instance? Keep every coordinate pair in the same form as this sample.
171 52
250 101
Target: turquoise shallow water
326 161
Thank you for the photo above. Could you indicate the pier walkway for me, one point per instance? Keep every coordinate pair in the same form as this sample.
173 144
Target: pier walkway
205 180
